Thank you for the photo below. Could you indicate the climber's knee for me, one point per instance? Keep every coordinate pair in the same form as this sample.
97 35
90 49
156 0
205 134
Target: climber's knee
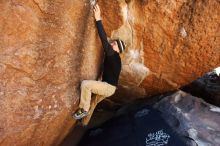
84 83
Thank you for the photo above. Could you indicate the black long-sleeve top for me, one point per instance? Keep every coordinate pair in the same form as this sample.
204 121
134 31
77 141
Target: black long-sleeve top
112 61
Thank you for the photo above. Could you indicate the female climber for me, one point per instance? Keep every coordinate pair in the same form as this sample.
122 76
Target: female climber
111 70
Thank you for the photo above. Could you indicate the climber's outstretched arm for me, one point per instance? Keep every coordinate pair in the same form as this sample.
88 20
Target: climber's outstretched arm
107 47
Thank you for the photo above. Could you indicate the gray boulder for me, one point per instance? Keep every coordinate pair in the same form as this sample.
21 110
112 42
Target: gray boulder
192 117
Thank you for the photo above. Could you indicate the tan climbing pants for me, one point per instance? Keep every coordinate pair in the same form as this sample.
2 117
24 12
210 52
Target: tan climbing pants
97 87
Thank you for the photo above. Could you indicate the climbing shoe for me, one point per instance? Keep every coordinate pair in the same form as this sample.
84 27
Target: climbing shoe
80 113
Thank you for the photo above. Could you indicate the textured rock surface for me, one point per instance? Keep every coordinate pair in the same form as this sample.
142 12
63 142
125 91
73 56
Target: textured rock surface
48 47
192 117
45 51
170 43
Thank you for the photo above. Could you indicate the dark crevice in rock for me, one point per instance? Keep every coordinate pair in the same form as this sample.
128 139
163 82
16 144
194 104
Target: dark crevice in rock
205 87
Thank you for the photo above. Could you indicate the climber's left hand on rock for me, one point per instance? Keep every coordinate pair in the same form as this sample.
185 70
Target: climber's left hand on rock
97 12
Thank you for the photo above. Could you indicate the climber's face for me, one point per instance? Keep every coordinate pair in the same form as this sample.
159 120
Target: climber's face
115 46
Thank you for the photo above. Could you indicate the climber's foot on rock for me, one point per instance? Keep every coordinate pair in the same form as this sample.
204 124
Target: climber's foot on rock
80 113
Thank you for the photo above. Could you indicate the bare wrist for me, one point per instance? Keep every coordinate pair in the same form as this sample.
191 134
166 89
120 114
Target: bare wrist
97 19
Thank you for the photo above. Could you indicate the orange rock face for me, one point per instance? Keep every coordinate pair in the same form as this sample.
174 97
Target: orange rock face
48 47
170 43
